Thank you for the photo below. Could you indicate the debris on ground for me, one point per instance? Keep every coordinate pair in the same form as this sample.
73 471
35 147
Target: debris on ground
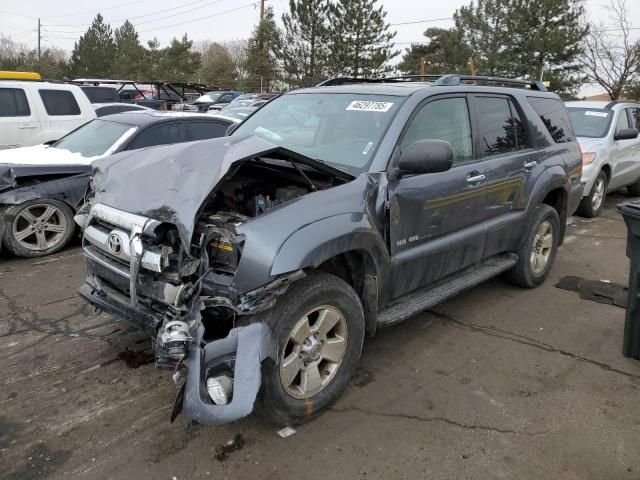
223 451
286 432
600 291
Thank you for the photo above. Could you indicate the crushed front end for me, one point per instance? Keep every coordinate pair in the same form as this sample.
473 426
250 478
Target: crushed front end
138 271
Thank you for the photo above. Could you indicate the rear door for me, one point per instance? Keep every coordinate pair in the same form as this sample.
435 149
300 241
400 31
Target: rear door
61 110
436 220
510 161
19 126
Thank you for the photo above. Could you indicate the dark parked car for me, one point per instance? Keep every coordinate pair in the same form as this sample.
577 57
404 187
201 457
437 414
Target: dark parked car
210 100
265 258
41 187
97 94
103 109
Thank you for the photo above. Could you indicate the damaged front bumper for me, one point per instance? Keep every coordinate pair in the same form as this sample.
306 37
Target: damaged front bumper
248 347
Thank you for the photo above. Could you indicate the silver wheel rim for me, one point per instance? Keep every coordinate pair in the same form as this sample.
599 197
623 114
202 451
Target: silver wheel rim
313 352
542 246
598 194
39 227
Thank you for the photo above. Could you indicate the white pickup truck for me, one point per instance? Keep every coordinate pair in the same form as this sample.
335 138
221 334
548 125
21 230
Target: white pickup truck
34 112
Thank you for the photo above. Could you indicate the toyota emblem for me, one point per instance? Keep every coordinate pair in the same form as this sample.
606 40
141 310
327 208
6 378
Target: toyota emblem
114 242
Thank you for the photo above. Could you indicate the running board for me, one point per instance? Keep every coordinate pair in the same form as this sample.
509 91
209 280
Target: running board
421 300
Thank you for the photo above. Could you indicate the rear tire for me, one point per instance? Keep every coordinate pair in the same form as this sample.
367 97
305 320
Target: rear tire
538 250
592 204
304 382
38 227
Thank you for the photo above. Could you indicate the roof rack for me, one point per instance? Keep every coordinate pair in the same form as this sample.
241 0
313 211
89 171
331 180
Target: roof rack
438 80
455 79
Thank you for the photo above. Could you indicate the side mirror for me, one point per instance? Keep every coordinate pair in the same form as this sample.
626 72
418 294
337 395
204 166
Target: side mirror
50 142
626 134
426 156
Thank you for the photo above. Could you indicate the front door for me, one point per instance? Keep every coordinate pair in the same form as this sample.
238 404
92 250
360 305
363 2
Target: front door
624 156
436 220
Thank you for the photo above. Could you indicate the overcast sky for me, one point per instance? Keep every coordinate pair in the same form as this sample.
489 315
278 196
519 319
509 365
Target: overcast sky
63 20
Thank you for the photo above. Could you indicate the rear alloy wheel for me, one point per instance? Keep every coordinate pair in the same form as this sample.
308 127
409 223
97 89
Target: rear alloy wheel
38 227
319 327
538 249
591 205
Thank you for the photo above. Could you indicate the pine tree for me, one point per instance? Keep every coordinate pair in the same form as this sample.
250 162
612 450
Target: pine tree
362 42
178 62
262 66
445 52
130 54
93 54
485 28
304 48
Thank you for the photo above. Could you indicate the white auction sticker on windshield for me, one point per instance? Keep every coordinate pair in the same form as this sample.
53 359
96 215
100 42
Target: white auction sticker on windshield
596 114
369 106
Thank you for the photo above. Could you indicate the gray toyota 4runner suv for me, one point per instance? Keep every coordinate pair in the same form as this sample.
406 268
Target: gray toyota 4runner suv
259 262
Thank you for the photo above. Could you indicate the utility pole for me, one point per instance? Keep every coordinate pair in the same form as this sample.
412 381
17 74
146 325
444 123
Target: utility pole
39 37
262 10
423 64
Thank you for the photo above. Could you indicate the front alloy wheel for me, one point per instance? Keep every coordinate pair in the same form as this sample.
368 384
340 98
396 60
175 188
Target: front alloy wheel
314 351
38 227
542 247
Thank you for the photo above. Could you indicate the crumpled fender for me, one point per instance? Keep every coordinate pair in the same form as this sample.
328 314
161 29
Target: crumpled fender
251 345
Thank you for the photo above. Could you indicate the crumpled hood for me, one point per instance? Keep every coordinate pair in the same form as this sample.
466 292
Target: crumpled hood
170 183
10 174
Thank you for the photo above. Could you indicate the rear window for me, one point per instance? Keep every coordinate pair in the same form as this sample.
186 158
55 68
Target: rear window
205 130
101 94
59 102
13 103
555 117
591 122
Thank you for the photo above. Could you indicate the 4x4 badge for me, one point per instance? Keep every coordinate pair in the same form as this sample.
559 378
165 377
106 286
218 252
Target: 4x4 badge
114 242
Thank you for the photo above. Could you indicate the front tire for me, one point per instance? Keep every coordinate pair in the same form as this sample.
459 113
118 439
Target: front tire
38 227
538 250
319 327
591 205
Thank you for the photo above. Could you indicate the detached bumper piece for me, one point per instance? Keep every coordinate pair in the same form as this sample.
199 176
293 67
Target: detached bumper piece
249 346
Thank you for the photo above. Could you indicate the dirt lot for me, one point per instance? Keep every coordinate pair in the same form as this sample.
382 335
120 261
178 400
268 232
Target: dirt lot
497 383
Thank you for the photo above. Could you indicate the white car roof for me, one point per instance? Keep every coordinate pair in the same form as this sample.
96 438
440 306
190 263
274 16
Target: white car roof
601 104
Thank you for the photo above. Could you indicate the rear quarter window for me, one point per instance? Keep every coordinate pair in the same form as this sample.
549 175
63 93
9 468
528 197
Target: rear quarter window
555 117
13 103
59 102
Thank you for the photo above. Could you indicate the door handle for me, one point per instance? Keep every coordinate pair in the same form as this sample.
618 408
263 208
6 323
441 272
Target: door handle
27 127
476 178
530 165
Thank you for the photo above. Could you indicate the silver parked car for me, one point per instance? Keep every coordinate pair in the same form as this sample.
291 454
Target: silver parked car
608 136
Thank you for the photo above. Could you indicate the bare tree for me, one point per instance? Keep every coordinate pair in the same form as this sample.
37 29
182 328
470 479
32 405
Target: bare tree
611 58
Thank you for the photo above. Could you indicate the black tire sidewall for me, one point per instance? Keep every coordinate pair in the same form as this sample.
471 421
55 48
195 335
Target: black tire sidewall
14 247
586 205
317 289
544 213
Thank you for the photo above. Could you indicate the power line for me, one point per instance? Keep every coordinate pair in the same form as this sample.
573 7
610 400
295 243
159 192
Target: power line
199 19
173 9
18 14
421 21
93 11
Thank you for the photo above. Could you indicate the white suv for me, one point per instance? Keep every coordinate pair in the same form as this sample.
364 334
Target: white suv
34 112
608 136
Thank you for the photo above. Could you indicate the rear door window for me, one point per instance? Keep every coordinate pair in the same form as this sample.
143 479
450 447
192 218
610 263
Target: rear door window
497 127
205 130
13 103
444 119
59 102
555 118
160 135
